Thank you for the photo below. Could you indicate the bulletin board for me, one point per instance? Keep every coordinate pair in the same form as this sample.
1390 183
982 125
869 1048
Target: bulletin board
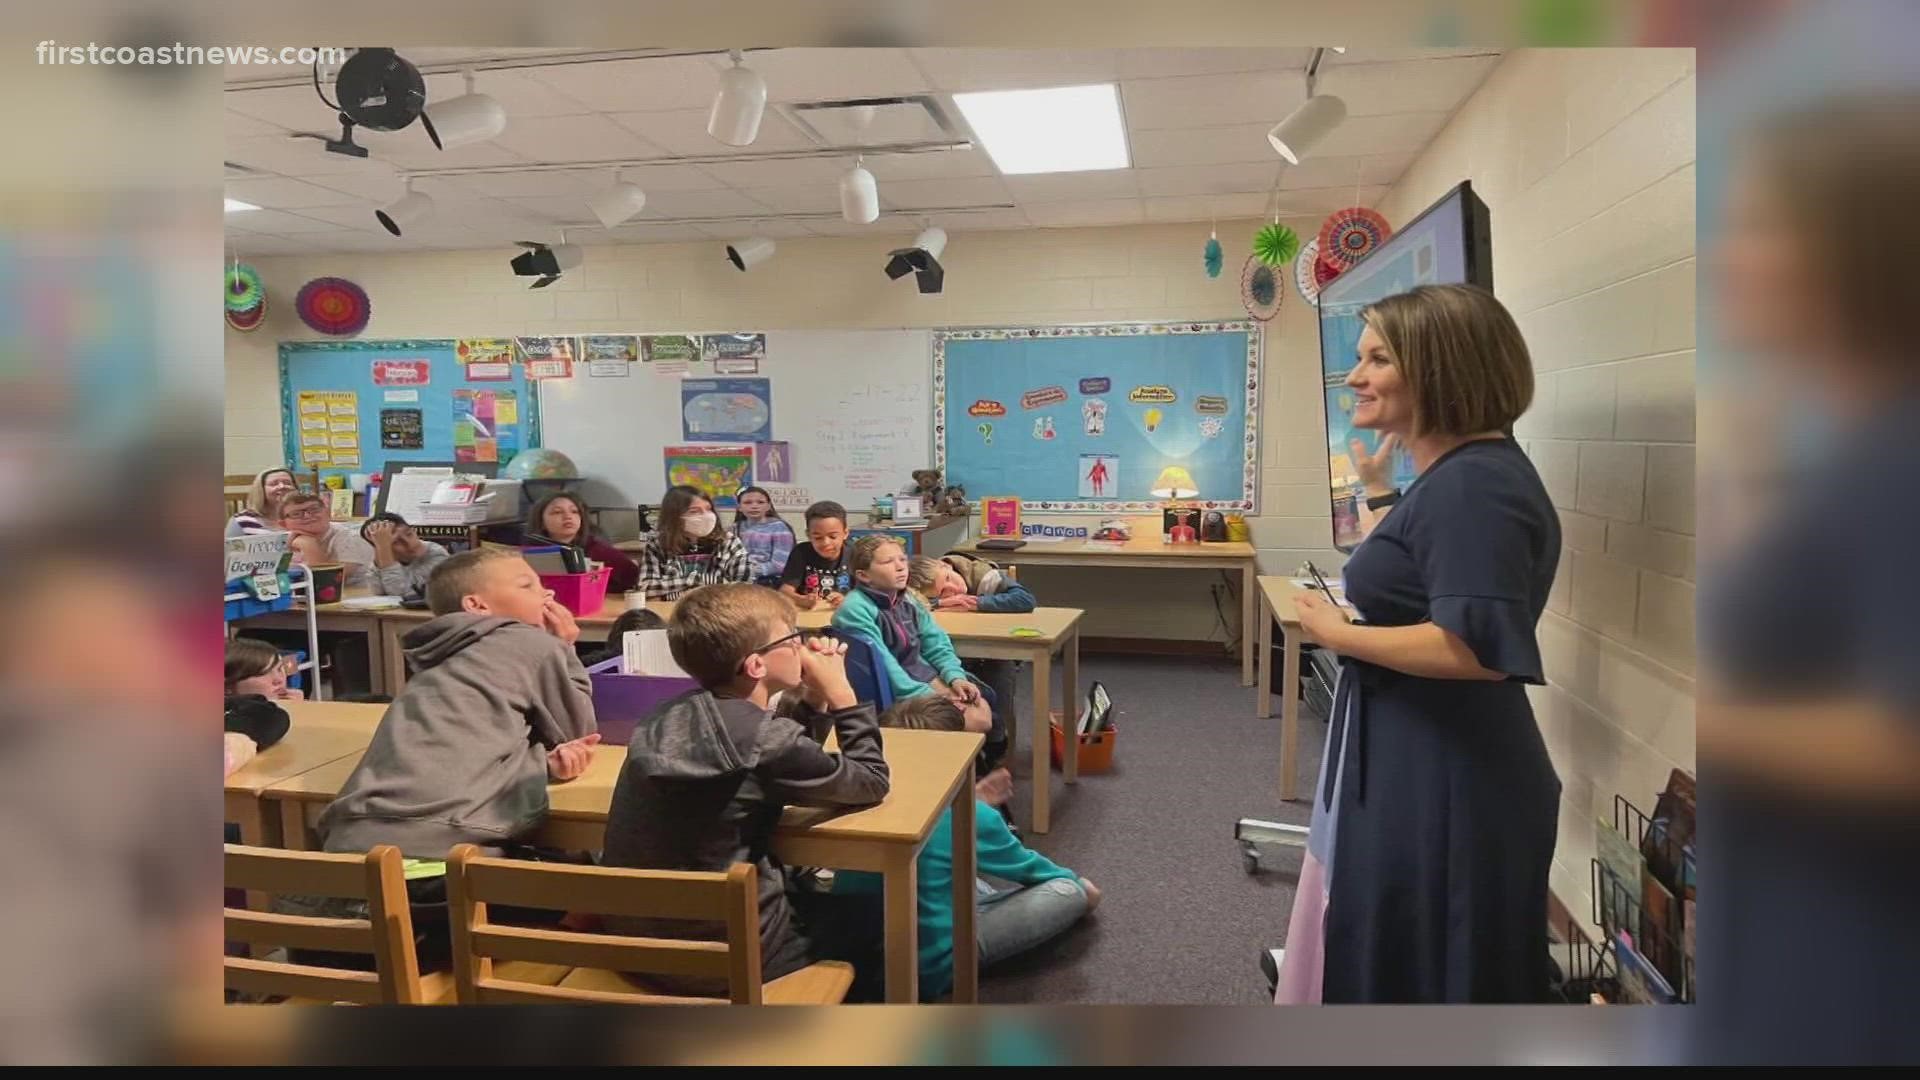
1081 419
410 400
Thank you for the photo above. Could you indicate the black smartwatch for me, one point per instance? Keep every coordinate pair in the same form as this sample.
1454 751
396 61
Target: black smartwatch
1381 502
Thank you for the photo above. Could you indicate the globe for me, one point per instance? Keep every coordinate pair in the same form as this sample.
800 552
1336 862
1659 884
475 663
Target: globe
540 464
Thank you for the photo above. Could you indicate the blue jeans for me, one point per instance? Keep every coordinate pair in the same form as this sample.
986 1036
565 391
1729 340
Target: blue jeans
1014 919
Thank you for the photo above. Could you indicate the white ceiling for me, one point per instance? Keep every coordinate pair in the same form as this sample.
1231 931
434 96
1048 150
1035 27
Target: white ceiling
1196 123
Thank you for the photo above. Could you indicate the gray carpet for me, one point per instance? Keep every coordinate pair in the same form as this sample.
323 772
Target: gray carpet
1180 921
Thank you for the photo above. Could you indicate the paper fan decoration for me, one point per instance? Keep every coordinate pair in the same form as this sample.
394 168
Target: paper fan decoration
1304 278
244 289
1214 258
1275 244
334 306
1324 272
251 318
1260 289
1348 235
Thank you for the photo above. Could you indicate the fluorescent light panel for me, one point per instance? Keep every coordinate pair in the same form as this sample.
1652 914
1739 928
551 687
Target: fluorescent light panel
1064 129
236 204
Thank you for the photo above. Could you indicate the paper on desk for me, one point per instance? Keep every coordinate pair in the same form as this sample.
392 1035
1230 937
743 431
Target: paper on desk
645 652
1339 595
370 603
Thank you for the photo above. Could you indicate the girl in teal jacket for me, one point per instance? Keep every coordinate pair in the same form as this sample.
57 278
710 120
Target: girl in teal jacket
916 656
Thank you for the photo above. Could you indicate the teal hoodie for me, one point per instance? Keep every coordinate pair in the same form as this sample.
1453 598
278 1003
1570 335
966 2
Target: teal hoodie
998 853
859 611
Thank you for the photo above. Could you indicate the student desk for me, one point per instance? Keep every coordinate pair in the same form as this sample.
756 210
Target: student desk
338 619
930 772
976 636
1276 605
1147 551
321 732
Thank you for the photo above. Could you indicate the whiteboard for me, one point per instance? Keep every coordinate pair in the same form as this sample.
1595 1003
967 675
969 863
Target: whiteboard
855 405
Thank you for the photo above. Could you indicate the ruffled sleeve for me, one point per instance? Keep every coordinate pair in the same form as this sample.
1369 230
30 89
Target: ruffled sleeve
1479 543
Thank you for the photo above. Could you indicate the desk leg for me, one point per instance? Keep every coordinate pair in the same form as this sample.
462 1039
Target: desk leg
378 648
966 946
294 834
1292 640
1265 659
902 895
1069 697
1249 585
393 658
1042 736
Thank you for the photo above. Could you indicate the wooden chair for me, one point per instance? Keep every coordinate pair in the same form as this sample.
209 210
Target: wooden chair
387 936
600 961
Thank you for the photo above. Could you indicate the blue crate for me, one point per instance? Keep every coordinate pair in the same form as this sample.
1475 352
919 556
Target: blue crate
247 607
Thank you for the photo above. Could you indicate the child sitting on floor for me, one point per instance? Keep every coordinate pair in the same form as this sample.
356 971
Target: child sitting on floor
1041 901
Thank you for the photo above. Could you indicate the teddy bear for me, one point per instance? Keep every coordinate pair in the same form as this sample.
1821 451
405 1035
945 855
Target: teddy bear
926 484
955 502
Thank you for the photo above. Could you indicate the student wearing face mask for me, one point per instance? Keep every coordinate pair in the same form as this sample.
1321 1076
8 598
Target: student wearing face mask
690 548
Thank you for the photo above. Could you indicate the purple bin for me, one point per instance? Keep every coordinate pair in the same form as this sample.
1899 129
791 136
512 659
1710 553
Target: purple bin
620 702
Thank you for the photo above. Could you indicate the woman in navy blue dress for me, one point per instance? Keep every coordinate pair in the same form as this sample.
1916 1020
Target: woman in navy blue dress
1446 800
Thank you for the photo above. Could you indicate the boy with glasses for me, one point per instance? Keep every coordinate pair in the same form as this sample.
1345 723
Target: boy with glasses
708 774
318 540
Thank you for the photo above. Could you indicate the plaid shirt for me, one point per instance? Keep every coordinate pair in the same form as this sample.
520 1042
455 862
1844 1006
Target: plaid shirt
665 577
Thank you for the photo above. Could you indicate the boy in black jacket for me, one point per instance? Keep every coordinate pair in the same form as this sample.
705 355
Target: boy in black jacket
708 775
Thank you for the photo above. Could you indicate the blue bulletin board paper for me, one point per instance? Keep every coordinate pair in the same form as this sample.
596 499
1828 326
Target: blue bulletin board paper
321 366
1081 419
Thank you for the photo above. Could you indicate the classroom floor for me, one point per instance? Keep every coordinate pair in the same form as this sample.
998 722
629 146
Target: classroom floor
1180 920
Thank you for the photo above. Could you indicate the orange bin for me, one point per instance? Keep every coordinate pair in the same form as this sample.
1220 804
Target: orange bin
1096 749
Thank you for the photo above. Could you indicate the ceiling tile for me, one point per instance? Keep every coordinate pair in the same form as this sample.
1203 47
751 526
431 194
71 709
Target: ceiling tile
1408 86
1166 63
304 158
678 204
1209 179
1088 212
658 178
575 138
1401 133
1212 100
1098 184
522 96
684 131
1312 201
921 194
255 246
1229 144
832 74
1016 69
566 209
778 230
378 182
296 108
798 198
409 148
668 82
282 193
535 184
933 165
645 233
237 126
282 223
1206 207
771 174
358 216
982 221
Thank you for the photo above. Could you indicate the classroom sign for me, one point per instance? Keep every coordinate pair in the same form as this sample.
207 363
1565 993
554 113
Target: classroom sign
329 427
401 372
485 359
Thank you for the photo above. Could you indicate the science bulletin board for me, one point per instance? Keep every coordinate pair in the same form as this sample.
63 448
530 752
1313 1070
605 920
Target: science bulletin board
346 406
1082 419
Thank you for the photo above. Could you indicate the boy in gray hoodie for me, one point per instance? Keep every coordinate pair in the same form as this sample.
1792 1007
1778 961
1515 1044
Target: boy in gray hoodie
709 773
497 705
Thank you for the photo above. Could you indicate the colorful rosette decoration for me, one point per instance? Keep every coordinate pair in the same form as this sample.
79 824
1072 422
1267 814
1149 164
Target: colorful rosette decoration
1213 257
1350 235
1260 289
334 306
246 297
1304 277
1275 244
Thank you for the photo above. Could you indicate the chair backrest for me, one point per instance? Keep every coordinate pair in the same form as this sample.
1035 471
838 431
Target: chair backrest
386 935
475 881
865 670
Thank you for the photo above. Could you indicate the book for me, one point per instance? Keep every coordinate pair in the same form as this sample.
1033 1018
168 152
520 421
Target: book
645 652
1001 517
1622 867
